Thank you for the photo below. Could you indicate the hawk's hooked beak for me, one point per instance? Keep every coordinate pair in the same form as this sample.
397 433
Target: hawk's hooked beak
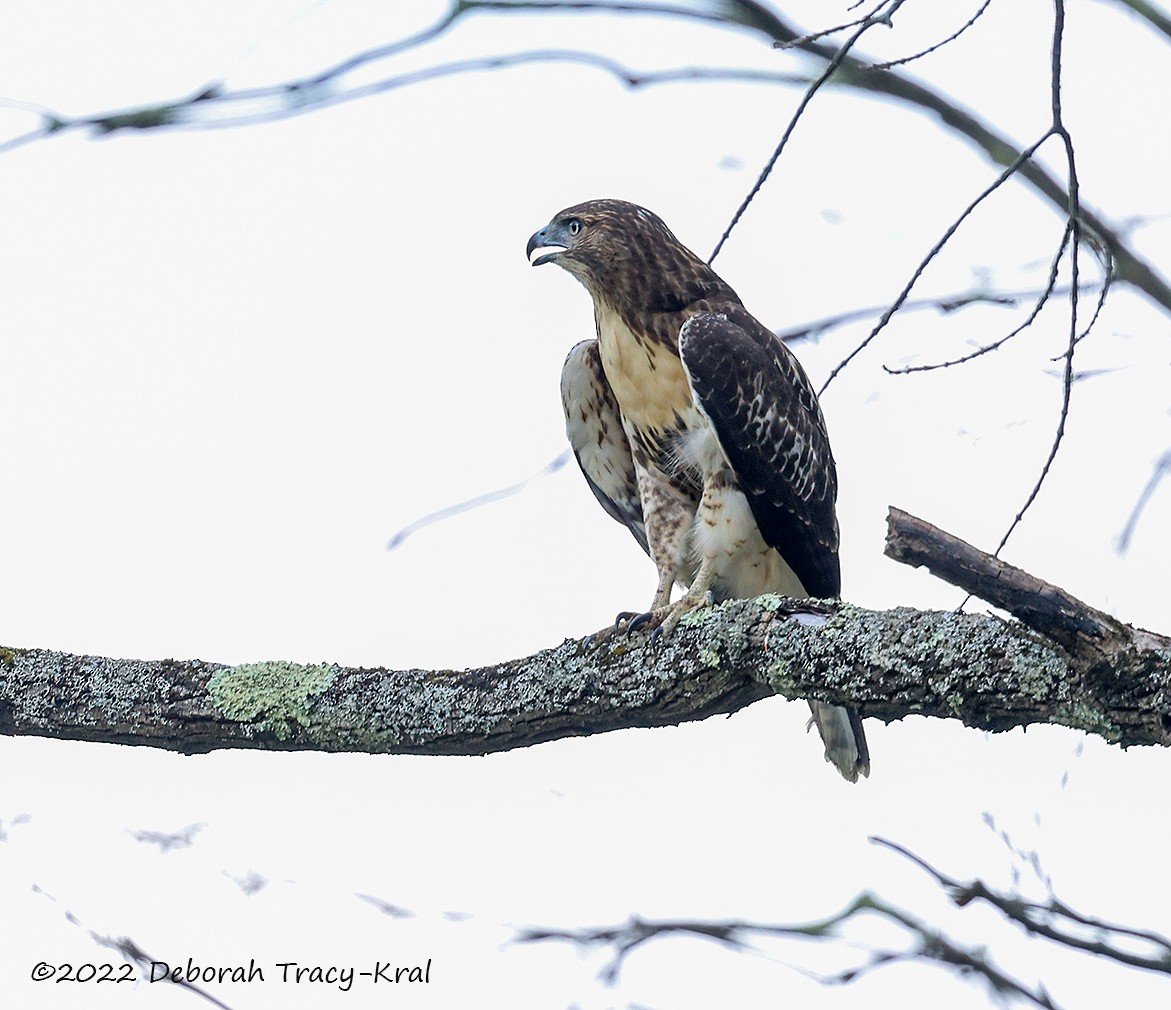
552 237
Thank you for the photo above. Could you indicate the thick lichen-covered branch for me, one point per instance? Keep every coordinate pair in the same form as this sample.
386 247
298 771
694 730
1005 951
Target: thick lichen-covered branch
1046 608
1106 652
983 671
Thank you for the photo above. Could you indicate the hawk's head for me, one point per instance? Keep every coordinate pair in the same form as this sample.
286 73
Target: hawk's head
623 253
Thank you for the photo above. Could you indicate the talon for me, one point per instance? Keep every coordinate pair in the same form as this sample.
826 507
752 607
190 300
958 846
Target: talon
586 643
623 617
638 620
684 605
655 636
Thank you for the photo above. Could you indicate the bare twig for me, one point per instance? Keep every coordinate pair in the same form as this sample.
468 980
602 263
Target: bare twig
1075 234
938 45
894 307
1040 302
927 944
479 500
290 98
830 68
220 109
1103 292
945 304
1148 12
132 954
1053 920
826 32
1161 469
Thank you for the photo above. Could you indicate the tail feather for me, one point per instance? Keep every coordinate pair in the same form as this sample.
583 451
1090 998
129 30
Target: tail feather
845 741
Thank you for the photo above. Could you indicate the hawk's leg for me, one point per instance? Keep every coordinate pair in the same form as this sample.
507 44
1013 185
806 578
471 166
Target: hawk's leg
668 514
634 620
717 538
699 594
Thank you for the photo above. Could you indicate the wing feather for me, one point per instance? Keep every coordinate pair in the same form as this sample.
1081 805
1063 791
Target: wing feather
593 424
769 424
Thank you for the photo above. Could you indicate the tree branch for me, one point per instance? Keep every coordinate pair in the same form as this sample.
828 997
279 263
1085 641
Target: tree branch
325 87
1053 921
1095 674
878 17
1129 266
926 944
1157 19
1093 638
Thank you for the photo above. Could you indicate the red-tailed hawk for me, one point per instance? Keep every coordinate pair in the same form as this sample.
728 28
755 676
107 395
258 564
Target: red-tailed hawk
698 429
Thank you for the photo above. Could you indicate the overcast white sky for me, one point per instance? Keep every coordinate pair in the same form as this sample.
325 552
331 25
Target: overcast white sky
233 362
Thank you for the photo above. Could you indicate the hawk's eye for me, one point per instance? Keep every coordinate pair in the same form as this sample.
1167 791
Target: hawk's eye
575 227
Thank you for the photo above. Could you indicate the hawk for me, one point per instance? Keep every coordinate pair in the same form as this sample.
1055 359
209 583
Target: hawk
698 429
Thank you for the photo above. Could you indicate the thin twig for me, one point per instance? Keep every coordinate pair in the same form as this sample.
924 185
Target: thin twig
298 96
272 103
477 501
1040 302
1161 469
929 944
1044 919
938 45
825 32
944 304
1075 228
894 307
1107 282
132 954
812 90
1146 10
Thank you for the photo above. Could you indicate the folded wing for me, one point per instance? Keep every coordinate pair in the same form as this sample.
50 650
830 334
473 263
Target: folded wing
765 413
594 427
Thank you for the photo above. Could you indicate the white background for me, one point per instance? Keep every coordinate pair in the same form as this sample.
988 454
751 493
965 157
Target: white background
234 361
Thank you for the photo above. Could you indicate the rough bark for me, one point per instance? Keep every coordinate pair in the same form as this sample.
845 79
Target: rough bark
1125 668
987 672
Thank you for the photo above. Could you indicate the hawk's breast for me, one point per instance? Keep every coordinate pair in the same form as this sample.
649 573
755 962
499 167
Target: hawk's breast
650 386
647 377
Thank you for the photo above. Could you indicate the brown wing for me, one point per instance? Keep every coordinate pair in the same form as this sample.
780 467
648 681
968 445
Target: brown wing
769 424
766 416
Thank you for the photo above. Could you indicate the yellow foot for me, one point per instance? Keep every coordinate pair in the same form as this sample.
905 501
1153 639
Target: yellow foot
662 620
674 612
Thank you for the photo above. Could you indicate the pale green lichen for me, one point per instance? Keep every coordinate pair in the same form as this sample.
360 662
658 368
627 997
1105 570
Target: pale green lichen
709 657
280 692
769 601
696 618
